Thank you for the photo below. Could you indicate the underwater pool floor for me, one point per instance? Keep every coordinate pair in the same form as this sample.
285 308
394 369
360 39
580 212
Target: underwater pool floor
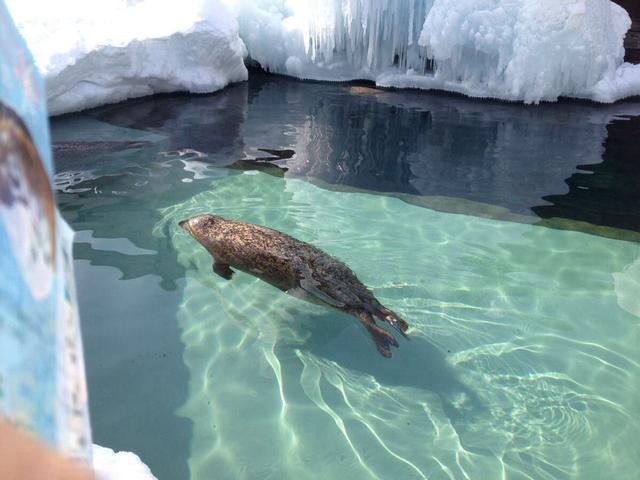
523 359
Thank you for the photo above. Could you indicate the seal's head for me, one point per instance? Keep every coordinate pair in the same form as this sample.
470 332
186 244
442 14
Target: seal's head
204 228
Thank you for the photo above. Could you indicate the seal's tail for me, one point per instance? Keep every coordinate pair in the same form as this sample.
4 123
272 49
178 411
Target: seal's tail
382 339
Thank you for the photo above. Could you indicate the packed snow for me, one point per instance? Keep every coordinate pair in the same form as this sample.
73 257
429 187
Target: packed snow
110 465
521 50
93 53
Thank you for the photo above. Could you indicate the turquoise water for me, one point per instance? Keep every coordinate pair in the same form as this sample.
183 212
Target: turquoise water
523 359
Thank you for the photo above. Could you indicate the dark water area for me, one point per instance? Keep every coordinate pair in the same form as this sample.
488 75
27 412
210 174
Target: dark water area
607 192
129 292
574 161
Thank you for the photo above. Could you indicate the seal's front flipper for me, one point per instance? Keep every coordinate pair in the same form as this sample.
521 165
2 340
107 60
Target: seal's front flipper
223 269
382 339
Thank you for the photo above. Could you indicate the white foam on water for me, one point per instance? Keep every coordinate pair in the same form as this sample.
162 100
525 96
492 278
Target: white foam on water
627 285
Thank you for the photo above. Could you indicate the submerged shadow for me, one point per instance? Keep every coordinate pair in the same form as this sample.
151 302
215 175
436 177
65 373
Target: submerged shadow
417 363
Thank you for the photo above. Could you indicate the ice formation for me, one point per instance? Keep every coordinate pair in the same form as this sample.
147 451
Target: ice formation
527 50
110 465
335 40
522 50
93 53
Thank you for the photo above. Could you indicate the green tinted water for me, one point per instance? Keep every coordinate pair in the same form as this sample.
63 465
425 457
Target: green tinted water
524 358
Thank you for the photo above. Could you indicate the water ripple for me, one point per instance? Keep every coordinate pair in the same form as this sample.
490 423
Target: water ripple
521 364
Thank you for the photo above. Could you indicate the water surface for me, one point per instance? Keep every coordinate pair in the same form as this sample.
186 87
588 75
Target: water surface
523 360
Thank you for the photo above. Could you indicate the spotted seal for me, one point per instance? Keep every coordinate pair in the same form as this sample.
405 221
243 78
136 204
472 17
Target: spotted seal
296 267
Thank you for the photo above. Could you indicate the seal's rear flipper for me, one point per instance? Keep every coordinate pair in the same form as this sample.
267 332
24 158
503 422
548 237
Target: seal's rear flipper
223 269
394 320
382 339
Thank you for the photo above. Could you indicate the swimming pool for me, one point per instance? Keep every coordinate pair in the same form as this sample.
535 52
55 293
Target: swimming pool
507 236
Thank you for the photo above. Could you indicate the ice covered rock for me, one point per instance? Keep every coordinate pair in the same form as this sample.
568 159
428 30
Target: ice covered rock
521 50
623 82
92 53
527 50
110 465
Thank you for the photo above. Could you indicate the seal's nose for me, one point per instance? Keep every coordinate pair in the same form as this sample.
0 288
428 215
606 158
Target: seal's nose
183 224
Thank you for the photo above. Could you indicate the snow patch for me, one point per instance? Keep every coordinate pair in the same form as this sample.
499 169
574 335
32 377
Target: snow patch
110 465
93 53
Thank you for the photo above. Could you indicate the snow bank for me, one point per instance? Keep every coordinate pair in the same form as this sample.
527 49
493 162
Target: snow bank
92 53
523 50
109 465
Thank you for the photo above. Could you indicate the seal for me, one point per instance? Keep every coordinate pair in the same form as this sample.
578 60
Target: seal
295 267
362 90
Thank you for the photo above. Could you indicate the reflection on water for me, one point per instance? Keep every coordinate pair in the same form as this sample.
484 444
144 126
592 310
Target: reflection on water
205 123
523 359
574 161
605 192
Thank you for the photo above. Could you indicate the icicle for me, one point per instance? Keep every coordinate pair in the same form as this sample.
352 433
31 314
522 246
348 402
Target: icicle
411 15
